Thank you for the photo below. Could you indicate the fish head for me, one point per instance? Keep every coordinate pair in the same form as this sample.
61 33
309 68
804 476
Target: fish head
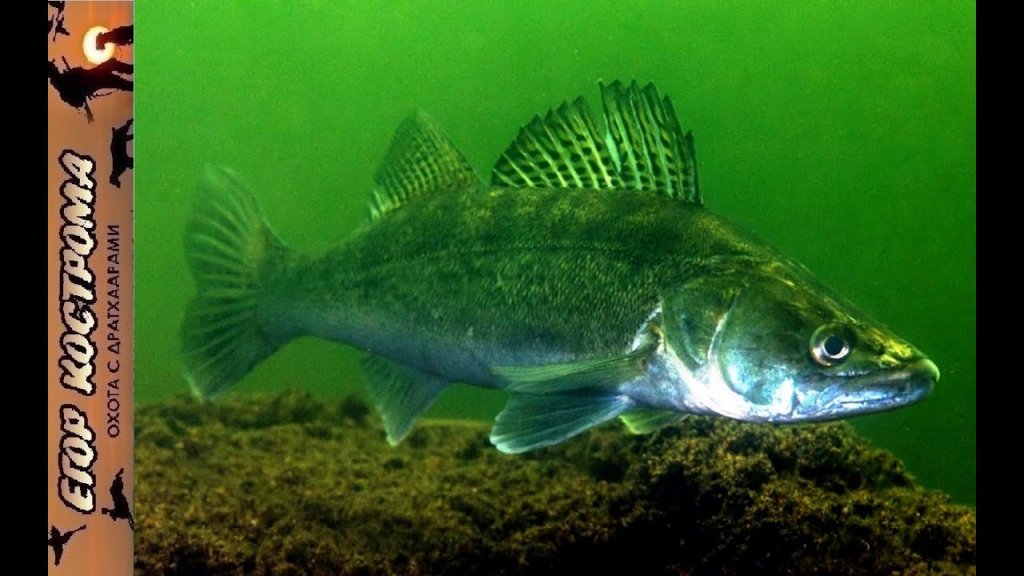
775 344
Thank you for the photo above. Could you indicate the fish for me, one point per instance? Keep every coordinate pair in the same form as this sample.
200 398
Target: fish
587 280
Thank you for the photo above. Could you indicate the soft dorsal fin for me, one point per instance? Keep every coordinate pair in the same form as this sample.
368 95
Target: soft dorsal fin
642 148
421 160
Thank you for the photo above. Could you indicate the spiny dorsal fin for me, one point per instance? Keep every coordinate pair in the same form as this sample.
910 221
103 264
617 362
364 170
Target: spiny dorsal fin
642 149
561 150
653 152
420 161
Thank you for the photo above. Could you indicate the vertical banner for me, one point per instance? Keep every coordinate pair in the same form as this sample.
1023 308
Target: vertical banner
89 285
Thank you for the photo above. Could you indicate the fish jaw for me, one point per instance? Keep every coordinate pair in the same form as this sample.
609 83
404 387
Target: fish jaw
868 393
670 384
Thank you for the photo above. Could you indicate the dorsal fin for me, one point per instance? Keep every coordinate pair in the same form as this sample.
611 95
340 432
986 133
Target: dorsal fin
420 161
561 150
653 152
642 148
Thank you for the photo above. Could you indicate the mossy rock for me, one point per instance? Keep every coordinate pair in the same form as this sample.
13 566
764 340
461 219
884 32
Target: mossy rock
286 484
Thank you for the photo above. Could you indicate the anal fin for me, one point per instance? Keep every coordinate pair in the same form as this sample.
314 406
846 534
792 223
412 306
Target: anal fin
401 394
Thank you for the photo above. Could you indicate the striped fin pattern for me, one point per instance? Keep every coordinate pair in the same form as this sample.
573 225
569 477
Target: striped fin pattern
421 160
561 150
643 148
230 250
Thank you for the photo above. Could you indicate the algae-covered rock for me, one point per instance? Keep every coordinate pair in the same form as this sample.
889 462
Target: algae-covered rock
289 485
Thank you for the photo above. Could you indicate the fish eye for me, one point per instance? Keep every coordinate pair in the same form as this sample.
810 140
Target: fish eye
828 346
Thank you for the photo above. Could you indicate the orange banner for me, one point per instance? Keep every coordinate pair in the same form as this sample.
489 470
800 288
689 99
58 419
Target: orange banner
89 286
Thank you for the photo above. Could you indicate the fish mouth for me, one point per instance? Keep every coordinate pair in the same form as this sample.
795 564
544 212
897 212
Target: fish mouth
878 391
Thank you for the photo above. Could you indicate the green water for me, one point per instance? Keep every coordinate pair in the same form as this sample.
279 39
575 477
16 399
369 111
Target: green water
842 132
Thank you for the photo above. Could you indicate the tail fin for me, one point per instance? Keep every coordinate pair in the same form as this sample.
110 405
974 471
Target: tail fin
231 251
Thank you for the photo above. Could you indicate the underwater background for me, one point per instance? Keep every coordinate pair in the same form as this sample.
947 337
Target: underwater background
841 132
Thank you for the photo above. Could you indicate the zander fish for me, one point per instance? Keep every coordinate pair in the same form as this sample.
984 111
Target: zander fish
587 280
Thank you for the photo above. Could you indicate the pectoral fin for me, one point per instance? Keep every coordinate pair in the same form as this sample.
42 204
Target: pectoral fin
645 421
401 394
531 421
550 403
604 374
